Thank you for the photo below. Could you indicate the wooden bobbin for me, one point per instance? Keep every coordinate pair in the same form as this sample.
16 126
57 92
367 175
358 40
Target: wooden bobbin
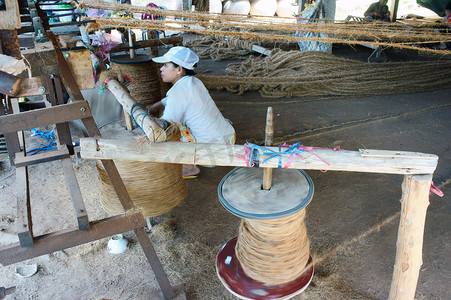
269 258
241 193
146 87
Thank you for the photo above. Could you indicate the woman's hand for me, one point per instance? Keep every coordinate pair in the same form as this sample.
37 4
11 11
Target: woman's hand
156 109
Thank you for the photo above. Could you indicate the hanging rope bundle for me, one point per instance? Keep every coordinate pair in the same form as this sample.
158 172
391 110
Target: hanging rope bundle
274 251
155 188
222 48
374 33
314 73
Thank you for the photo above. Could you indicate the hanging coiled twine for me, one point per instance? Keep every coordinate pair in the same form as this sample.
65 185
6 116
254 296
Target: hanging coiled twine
273 251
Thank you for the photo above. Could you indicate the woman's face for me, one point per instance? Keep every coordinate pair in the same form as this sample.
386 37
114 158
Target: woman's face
171 74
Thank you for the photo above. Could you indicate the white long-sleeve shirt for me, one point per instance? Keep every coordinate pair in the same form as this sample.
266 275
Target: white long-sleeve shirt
189 103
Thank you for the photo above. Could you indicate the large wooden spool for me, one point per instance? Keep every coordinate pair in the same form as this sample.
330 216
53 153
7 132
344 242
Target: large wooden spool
154 188
271 253
145 87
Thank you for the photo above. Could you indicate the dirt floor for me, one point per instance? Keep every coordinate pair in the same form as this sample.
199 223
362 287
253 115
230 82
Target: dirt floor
188 238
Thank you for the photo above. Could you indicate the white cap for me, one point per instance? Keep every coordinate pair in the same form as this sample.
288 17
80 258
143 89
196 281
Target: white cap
181 56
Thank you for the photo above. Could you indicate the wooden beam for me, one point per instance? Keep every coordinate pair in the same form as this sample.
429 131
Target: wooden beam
33 86
44 116
41 157
10 18
68 238
394 10
414 204
81 214
148 43
226 155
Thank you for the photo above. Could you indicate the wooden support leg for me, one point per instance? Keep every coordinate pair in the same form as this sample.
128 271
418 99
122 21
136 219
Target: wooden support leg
154 262
75 195
409 246
24 223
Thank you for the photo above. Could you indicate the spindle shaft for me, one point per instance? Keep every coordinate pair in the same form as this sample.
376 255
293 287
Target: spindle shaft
269 133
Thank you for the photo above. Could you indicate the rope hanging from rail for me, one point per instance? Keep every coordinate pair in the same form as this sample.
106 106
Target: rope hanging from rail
314 73
373 33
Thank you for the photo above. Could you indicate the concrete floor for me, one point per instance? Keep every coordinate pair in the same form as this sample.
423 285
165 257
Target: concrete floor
344 205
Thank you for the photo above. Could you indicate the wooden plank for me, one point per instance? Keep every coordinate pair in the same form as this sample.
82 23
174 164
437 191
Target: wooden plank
261 50
155 263
395 154
41 157
24 222
67 238
31 87
227 155
10 18
414 204
65 71
80 211
149 43
81 67
44 116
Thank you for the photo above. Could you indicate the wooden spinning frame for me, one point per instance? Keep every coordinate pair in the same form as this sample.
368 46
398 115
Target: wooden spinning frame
14 122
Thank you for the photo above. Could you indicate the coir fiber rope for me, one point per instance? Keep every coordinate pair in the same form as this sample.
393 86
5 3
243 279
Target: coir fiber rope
155 188
273 251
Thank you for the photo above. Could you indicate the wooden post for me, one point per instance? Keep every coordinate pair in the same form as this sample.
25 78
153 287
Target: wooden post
414 203
269 132
130 43
9 43
394 10
128 118
150 127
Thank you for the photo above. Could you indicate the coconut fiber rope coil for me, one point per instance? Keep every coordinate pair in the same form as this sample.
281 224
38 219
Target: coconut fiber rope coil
274 251
145 83
155 188
272 246
315 73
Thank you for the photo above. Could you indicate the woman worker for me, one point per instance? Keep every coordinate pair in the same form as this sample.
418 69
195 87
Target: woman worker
189 104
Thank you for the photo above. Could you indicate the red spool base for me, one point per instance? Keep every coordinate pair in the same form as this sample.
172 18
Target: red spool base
232 276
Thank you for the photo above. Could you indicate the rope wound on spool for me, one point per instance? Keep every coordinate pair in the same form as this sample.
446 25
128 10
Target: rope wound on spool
272 249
